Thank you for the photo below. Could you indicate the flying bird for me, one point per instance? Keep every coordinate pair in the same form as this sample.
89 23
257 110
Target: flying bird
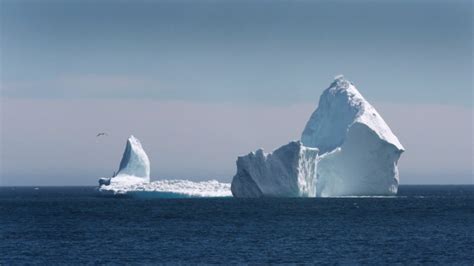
102 134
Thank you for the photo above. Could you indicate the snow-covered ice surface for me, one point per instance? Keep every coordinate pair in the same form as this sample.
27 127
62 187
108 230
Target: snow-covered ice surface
289 171
358 154
133 178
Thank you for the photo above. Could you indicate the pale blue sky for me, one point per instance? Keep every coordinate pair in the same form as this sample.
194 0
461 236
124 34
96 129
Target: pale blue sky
224 57
271 51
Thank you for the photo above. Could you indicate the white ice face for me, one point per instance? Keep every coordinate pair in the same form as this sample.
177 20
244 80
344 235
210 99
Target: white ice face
327 126
364 165
134 167
358 154
289 171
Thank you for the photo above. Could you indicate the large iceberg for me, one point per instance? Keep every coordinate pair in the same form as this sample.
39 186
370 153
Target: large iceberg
133 179
358 151
355 153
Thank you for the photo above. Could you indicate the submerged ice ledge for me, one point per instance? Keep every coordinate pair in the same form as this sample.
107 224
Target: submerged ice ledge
170 188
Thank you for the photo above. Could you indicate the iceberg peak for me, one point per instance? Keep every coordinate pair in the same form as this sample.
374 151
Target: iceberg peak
340 106
340 82
134 166
358 151
134 161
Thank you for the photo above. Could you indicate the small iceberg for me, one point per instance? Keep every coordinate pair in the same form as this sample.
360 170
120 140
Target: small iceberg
133 179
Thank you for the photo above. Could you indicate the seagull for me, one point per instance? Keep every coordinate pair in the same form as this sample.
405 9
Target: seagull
102 134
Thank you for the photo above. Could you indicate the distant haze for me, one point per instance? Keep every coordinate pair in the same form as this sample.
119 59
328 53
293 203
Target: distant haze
201 82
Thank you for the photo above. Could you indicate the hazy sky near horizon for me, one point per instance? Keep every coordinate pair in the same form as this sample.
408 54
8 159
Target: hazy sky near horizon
201 82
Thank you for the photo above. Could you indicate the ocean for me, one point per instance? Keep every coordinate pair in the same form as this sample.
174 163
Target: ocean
76 225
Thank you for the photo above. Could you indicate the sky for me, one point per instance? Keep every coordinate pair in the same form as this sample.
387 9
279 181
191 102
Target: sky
202 82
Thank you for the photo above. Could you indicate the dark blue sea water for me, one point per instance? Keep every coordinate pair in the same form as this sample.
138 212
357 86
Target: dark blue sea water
51 225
